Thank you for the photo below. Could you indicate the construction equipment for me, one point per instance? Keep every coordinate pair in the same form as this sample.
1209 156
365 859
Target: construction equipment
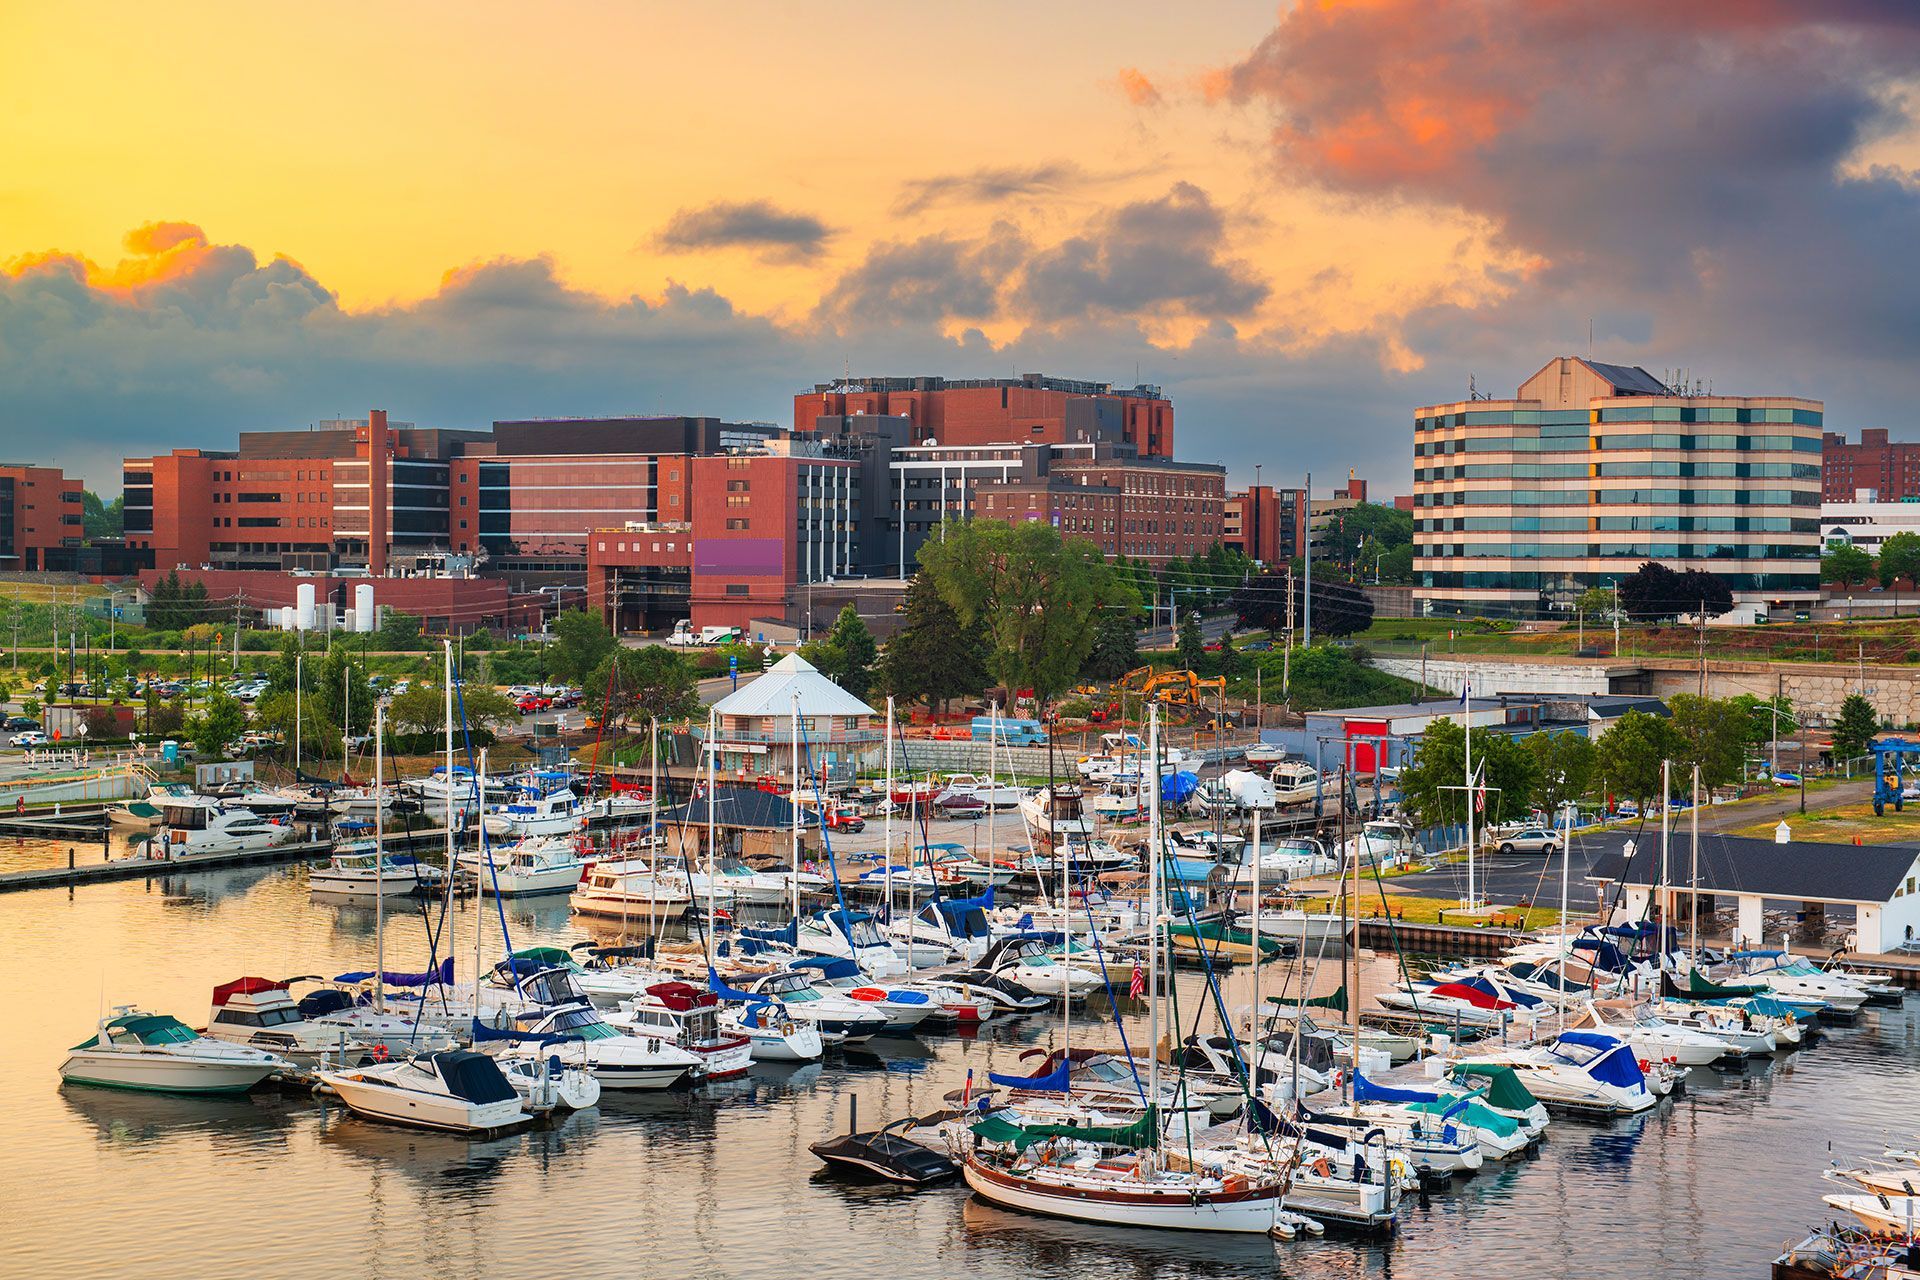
1182 688
1135 681
1889 755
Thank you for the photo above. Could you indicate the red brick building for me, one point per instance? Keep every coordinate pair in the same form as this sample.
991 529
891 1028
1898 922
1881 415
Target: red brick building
1891 470
1265 523
1151 510
41 518
1031 409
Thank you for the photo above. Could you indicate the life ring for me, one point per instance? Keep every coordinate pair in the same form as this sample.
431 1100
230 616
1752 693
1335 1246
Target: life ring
380 1053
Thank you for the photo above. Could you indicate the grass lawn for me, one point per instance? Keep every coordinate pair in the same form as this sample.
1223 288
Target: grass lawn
1414 909
1843 825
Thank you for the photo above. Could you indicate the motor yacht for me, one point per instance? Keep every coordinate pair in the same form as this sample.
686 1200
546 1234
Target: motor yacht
1294 782
630 888
1585 1071
686 1016
531 865
982 792
195 824
545 805
133 1049
1790 977
357 869
578 1036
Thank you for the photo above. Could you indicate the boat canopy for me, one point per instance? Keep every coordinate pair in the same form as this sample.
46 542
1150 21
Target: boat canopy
1058 1080
829 966
682 997
1484 985
1503 1086
473 1077
966 917
1479 997
1365 1090
147 1028
997 1127
1466 1107
1605 954
1755 955
1699 988
441 974
1613 1062
1768 1007
244 987
481 1031
719 987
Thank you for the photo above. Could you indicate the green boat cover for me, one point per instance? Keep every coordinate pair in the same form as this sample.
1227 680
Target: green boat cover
1338 1000
1699 988
148 1028
1473 1114
551 957
1503 1087
997 1128
1214 931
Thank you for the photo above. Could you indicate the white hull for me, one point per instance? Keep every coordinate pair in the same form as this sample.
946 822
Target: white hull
363 884
377 1101
1172 1210
163 1072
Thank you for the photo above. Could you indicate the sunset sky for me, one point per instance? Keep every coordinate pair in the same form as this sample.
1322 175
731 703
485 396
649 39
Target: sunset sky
1301 221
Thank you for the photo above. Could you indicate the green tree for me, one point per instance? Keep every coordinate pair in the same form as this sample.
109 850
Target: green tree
1857 726
581 644
1900 558
1713 733
1595 602
1371 525
102 520
421 709
485 706
1116 644
1036 594
1628 756
846 654
220 725
1845 565
934 656
1761 732
1563 769
1190 644
1432 784
342 697
1396 564
398 631
651 682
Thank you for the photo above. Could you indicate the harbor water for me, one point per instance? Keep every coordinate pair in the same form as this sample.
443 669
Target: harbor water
719 1182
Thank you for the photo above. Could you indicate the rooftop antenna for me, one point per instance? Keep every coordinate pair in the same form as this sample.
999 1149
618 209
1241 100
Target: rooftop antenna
1472 394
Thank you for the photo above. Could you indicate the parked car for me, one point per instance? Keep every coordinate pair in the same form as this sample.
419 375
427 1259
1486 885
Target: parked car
35 738
1530 840
18 724
533 702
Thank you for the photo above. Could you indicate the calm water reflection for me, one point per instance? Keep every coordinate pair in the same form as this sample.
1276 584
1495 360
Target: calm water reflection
720 1183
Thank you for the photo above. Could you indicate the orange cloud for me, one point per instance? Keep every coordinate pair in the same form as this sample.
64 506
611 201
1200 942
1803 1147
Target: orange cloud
1139 90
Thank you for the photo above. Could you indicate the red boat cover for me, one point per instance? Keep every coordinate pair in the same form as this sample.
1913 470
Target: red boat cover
1472 995
244 987
680 996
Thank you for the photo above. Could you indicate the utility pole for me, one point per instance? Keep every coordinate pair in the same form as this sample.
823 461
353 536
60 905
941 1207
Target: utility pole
1286 657
1616 619
1702 628
1306 607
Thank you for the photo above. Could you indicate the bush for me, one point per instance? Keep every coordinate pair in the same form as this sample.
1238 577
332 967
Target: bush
1075 709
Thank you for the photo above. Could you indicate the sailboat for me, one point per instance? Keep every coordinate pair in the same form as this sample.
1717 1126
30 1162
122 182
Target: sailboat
1120 1176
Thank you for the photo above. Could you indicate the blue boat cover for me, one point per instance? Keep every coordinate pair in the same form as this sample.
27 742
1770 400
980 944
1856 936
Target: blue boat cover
1617 1068
733 995
786 934
481 1031
1056 1081
1178 788
1479 983
442 974
898 996
1605 954
1365 1090
830 966
1756 955
1767 1006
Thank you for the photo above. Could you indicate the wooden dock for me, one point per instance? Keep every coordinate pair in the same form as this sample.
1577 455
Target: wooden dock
78 872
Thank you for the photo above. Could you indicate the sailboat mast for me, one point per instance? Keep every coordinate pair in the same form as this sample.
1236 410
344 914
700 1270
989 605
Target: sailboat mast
1566 872
379 861
713 825
993 784
1350 924
1693 875
298 660
1466 719
481 868
1153 921
1665 897
653 827
886 845
794 747
479 795
1255 1053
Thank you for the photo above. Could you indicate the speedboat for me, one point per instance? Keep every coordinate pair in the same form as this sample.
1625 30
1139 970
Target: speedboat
145 813
357 869
850 935
533 865
1653 1038
544 1082
954 925
685 1016
840 1020
1264 753
1499 1137
966 790
578 1036
1006 995
153 1052
456 1091
774 1034
1031 960
885 1154
1295 858
1294 782
1585 1071
1481 1001
441 786
904 1007
1792 978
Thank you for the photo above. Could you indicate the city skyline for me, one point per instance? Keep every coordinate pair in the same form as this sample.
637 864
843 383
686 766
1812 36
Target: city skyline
1301 225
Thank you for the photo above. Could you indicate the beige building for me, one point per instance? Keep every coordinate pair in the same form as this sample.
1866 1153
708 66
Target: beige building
1591 469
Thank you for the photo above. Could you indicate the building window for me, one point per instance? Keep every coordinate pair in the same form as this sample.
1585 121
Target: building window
737 588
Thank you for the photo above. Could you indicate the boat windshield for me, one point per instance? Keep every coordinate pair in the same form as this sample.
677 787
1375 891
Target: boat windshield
584 1023
154 1029
862 933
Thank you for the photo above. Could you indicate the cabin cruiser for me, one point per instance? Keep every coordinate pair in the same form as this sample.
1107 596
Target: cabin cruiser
1581 1071
1384 843
905 1007
620 889
150 1051
531 865
359 869
263 1015
1754 1035
454 1091
441 786
145 813
773 1034
1789 977
850 935
1294 858
196 824
684 1015
1294 782
1264 753
578 1036
983 793
544 806
1055 817
365 802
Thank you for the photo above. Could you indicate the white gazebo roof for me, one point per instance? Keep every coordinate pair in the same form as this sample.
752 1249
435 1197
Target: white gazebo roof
772 694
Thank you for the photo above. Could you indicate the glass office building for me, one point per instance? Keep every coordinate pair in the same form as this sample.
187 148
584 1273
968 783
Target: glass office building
1592 469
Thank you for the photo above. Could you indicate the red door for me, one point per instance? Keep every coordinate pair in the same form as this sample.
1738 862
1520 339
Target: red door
1363 756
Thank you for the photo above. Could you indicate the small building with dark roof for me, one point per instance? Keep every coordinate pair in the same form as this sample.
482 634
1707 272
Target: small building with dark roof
1880 882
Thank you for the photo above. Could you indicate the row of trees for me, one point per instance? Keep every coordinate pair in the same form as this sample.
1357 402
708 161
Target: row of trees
1544 771
1847 565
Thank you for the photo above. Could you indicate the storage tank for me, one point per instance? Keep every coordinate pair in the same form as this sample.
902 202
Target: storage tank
286 617
363 611
303 606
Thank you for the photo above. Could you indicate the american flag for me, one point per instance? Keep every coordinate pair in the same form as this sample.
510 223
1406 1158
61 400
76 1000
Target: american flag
1138 987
